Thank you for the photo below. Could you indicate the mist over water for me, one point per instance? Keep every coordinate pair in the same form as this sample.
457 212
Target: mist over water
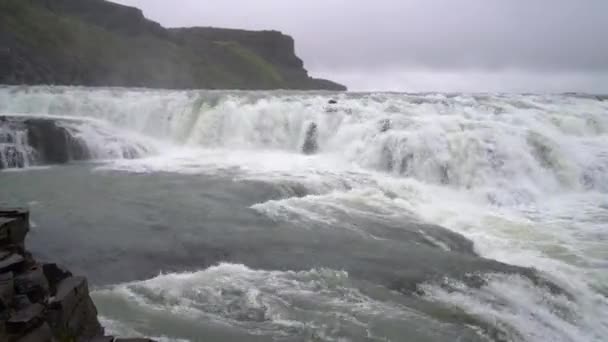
427 216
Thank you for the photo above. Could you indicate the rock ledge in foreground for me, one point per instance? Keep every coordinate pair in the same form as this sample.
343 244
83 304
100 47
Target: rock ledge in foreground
41 302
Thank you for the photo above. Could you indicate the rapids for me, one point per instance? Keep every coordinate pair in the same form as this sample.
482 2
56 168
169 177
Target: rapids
280 215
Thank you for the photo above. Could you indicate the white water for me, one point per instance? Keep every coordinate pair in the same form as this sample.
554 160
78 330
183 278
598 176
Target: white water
316 303
523 176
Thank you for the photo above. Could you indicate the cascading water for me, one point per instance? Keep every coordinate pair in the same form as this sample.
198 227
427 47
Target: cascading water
15 151
526 144
524 177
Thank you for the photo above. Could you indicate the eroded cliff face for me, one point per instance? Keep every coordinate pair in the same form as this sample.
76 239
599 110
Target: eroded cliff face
99 43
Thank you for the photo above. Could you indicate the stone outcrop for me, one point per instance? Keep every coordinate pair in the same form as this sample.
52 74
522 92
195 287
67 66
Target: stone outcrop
101 43
311 145
29 141
41 302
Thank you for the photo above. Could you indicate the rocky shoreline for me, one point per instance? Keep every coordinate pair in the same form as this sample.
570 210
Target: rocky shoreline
42 302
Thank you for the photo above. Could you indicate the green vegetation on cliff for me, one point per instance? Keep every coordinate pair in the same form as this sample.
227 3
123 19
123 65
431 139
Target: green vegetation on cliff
99 43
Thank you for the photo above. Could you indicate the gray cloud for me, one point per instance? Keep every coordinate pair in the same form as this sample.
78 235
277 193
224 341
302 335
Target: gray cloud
374 37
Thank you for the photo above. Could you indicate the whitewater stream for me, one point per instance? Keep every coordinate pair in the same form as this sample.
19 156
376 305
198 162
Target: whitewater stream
283 216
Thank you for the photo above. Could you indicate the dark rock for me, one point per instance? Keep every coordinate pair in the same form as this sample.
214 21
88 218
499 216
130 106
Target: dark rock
14 226
7 290
21 302
385 125
49 140
41 334
310 141
5 253
33 283
69 292
13 263
28 313
54 275
72 311
332 101
84 323
25 320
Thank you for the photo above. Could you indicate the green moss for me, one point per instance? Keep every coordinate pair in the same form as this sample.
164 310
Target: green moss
251 65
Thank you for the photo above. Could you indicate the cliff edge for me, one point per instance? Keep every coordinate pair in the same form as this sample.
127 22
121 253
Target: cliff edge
41 302
100 43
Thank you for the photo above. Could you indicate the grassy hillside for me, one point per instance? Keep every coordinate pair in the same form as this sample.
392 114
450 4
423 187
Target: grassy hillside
97 43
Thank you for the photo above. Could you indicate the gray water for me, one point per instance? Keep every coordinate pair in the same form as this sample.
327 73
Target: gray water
468 218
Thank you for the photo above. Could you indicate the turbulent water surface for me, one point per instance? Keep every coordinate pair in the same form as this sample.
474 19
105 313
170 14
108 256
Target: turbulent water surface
258 216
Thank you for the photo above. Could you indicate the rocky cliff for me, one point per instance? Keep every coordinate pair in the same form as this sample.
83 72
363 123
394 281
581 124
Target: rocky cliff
41 302
100 43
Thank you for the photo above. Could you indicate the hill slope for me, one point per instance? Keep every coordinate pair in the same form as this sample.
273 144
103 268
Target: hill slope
100 43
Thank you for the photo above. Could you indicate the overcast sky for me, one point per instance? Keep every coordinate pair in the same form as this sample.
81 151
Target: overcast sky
419 45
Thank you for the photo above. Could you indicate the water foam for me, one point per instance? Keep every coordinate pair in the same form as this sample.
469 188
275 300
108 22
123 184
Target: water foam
524 312
515 148
319 304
